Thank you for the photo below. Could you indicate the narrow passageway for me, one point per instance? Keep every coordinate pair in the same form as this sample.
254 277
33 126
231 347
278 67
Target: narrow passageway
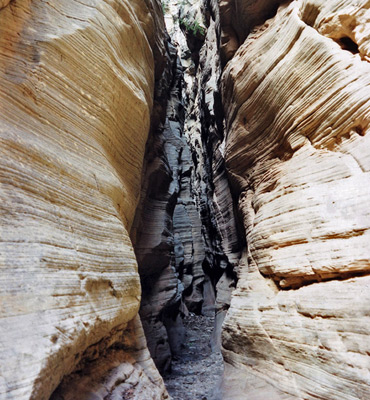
196 373
192 271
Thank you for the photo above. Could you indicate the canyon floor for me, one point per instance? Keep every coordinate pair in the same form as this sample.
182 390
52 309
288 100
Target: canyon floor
197 372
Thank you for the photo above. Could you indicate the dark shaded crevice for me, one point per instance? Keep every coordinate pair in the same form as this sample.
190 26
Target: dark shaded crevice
292 284
238 18
153 237
309 17
179 239
346 43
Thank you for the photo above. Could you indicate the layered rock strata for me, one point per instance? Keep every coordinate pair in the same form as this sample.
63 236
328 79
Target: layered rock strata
76 90
76 95
296 98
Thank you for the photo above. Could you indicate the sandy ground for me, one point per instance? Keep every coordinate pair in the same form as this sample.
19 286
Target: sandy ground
197 373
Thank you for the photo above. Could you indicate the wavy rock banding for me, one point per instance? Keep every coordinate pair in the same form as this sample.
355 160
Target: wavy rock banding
296 97
76 95
84 89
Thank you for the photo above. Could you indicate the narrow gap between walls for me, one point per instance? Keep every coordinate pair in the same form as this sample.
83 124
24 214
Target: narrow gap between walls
186 239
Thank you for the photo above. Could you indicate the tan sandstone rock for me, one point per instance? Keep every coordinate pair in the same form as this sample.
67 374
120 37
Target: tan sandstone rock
76 94
297 101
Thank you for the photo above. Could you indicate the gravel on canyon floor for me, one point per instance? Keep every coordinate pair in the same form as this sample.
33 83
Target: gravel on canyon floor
196 373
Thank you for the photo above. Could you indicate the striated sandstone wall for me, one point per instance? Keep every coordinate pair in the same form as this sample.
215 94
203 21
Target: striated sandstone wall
76 95
297 107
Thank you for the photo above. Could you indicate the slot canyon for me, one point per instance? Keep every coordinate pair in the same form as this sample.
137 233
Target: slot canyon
184 190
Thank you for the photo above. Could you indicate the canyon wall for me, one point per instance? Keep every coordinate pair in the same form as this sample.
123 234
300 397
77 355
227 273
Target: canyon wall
99 108
76 97
297 109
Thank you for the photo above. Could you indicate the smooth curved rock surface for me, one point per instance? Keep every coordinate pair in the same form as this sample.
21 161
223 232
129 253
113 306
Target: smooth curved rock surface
76 95
297 103
237 18
4 3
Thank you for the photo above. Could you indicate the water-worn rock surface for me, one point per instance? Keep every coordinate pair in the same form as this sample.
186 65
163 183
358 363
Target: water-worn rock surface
196 371
76 95
297 101
99 107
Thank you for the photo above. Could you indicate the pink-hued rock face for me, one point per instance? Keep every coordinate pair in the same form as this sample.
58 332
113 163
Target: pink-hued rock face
297 106
76 88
